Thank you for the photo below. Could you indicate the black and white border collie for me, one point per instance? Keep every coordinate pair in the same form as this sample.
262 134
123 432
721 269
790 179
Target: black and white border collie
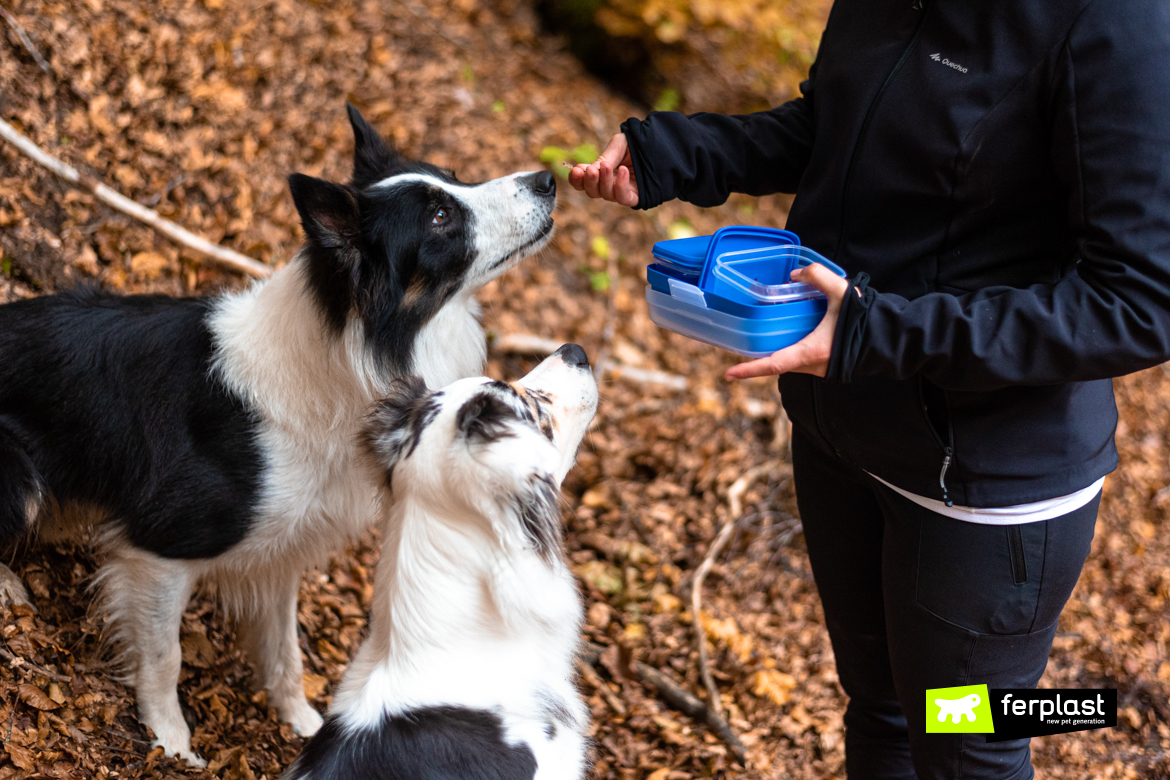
467 671
215 440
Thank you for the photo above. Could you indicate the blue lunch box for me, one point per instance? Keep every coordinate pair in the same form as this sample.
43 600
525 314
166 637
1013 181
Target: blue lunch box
732 289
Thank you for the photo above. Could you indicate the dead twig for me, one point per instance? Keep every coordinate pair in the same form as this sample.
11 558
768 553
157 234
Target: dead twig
677 697
526 344
735 502
457 42
17 662
21 33
222 255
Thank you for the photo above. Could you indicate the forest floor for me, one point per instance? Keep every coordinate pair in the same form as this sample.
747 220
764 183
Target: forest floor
201 109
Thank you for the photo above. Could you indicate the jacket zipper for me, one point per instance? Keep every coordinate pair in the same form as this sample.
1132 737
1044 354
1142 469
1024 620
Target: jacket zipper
942 475
919 5
948 448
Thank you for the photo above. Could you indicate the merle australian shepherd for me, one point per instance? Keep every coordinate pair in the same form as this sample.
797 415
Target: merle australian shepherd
467 672
214 440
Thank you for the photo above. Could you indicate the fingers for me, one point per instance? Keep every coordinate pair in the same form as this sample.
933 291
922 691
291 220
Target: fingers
801 357
625 189
610 177
602 180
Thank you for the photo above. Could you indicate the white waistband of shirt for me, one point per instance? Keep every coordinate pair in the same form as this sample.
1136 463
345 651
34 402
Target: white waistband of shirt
1035 512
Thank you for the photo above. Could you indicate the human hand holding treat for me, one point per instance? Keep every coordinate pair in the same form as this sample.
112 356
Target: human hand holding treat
611 176
811 354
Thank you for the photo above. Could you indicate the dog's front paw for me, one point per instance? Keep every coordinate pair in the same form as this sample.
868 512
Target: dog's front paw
185 753
305 720
12 590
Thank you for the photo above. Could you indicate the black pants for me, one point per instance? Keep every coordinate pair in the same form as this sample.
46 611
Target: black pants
916 600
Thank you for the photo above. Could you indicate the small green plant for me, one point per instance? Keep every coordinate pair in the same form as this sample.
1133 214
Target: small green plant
5 266
668 100
601 247
468 73
499 107
598 280
557 158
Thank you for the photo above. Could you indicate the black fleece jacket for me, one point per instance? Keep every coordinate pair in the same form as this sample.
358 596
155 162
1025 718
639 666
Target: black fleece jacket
995 177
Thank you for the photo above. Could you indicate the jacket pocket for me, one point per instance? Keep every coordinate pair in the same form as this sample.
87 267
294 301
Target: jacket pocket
975 576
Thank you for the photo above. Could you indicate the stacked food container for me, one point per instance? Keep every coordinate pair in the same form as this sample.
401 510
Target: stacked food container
733 289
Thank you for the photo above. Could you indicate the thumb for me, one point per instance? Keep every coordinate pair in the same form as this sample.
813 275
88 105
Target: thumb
615 150
823 279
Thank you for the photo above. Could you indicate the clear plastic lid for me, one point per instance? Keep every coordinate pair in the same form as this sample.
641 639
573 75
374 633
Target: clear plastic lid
763 274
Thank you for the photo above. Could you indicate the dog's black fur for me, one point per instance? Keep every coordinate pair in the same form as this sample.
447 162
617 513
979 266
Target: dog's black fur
434 743
109 403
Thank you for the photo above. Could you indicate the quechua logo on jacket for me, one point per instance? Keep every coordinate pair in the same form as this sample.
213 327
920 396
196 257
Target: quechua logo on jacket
937 57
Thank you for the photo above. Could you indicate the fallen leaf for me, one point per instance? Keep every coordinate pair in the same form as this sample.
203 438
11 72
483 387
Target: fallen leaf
150 265
198 650
35 697
315 685
21 757
773 685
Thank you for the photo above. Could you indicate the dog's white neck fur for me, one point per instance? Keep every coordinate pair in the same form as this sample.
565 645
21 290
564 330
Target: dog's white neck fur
312 392
460 621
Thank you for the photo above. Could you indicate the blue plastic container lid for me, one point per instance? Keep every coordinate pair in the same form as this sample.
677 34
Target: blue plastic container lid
687 254
693 255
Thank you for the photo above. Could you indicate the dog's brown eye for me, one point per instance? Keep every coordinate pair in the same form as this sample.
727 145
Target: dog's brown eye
439 218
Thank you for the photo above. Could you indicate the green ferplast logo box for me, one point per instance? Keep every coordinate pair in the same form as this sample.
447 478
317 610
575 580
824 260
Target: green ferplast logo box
962 710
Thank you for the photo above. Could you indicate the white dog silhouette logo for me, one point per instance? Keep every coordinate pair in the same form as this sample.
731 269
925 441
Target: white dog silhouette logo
957 708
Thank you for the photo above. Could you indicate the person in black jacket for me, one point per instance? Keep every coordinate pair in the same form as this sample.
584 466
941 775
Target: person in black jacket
994 175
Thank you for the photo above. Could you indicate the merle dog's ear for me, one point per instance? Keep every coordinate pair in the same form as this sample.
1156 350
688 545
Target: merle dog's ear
394 428
537 507
373 159
484 418
329 212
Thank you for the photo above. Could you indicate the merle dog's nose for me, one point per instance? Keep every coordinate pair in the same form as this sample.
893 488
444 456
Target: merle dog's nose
543 183
573 355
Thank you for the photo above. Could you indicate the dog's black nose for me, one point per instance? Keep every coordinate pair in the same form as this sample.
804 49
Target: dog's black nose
543 183
574 356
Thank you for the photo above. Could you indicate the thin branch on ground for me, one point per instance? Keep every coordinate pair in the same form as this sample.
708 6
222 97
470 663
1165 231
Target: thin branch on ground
116 200
21 33
677 697
457 42
735 502
526 344
17 662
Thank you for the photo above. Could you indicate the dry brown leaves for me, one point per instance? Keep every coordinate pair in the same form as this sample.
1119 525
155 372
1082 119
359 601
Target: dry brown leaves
200 109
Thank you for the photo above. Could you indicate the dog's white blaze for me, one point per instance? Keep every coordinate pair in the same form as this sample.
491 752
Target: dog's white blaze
466 612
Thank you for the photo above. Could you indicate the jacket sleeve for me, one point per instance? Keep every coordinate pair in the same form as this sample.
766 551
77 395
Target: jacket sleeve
702 158
1111 315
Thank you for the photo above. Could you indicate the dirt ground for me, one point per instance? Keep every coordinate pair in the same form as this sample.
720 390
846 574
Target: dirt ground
200 109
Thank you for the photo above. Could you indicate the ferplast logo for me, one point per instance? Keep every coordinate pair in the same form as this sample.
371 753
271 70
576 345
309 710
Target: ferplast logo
1014 713
962 710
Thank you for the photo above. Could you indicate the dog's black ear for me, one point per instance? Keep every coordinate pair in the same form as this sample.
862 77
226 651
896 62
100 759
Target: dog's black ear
396 425
373 159
484 418
329 212
538 509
